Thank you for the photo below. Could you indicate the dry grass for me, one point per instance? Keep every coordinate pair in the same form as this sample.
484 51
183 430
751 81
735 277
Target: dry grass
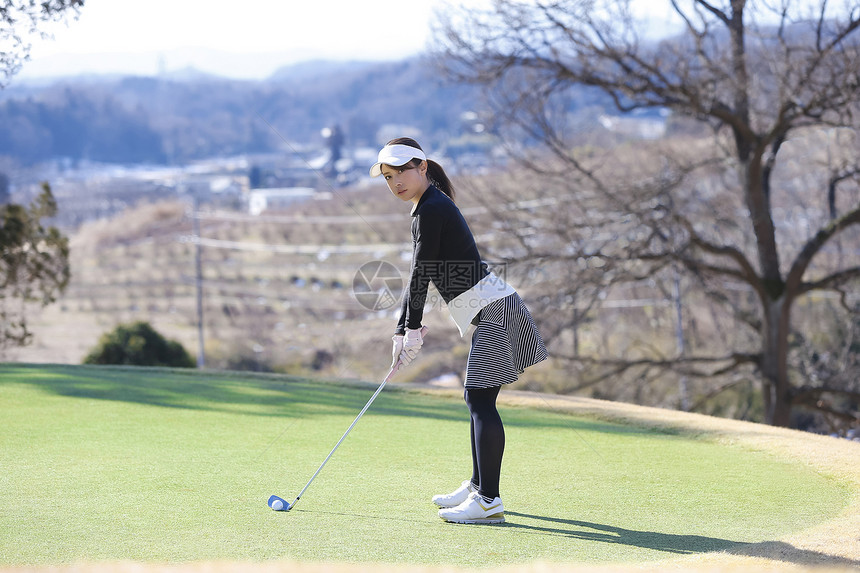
145 220
831 546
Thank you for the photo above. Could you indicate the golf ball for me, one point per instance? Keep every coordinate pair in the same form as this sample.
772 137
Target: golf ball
277 505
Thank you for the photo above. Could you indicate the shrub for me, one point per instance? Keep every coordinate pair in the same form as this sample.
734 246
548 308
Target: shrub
139 344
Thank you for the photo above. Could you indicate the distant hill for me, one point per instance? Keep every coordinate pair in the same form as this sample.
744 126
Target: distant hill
190 115
314 69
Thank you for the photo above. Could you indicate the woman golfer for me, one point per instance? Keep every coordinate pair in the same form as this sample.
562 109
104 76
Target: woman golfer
505 340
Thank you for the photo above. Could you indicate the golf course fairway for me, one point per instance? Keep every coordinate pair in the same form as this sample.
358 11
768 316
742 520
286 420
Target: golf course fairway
106 467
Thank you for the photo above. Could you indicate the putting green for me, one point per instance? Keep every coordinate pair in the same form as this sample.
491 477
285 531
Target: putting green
112 464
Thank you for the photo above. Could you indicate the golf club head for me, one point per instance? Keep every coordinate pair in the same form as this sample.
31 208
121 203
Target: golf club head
284 505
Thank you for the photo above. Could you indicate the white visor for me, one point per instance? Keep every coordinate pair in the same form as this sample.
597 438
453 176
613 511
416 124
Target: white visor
395 155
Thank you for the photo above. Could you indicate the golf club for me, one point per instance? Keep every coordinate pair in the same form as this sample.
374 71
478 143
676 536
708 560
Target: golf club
279 503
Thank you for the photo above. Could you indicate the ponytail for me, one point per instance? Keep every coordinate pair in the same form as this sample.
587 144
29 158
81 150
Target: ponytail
435 173
439 178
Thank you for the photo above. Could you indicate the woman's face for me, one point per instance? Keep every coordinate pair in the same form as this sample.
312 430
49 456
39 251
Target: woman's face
407 182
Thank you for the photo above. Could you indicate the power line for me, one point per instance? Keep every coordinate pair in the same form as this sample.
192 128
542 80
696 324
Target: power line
308 249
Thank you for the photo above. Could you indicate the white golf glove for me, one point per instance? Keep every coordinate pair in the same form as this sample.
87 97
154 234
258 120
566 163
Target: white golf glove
412 342
397 348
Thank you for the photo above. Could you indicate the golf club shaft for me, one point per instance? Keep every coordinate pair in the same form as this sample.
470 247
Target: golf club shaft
360 414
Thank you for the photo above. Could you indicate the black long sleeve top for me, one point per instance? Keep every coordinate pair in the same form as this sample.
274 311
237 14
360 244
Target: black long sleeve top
443 251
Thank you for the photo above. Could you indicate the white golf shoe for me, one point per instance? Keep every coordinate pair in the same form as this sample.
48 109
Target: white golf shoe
456 497
475 510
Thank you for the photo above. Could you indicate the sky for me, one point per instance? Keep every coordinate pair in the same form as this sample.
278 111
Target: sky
248 39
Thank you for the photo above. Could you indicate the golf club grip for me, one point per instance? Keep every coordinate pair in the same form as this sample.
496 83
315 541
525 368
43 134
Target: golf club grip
346 433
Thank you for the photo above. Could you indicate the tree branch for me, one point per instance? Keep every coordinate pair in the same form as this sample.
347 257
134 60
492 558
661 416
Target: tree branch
745 271
832 185
712 9
831 281
619 366
794 284
812 398
715 392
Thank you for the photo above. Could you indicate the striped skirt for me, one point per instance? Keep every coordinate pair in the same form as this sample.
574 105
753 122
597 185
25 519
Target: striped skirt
505 343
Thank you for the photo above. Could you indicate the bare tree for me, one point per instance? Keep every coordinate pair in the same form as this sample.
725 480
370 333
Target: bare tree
760 76
21 19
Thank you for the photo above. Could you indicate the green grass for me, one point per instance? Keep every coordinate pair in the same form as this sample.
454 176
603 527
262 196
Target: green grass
105 464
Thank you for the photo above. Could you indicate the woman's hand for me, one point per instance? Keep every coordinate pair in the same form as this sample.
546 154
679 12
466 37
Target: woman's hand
397 348
412 342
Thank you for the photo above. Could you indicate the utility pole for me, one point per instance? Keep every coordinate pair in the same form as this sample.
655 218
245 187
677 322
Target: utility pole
679 335
198 262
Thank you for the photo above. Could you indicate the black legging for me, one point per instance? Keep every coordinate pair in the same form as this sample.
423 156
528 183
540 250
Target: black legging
488 440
